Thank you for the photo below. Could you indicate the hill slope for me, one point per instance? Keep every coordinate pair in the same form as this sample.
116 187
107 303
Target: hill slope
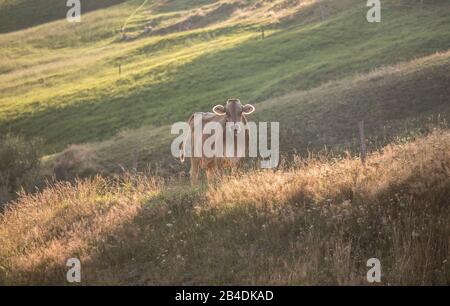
19 14
61 80
317 222
397 101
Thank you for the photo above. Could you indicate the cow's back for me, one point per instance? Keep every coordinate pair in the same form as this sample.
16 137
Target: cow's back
207 117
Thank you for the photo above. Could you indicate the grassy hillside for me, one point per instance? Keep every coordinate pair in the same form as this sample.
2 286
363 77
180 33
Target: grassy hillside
403 100
102 95
61 80
317 222
19 14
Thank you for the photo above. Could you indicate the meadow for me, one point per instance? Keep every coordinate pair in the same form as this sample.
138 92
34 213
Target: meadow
85 116
61 81
314 222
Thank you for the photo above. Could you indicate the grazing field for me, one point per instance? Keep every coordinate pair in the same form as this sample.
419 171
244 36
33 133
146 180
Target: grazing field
399 101
61 81
85 167
315 222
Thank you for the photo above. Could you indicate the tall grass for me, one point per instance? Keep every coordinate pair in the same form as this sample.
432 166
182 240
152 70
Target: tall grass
67 220
317 222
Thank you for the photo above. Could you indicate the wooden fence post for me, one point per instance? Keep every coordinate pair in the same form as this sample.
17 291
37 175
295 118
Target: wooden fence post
135 161
322 13
362 140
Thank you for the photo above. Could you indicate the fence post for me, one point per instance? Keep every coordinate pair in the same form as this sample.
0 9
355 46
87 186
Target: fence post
135 161
322 13
362 140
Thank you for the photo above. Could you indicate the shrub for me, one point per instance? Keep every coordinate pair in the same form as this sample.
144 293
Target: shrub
19 164
75 161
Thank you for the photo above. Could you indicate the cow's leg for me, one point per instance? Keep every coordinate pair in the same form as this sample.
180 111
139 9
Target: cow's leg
219 168
210 172
234 167
237 167
214 171
195 165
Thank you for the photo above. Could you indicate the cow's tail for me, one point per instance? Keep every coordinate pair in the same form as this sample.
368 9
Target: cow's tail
182 152
183 145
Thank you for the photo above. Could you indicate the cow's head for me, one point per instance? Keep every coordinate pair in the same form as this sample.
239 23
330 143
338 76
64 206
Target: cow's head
235 113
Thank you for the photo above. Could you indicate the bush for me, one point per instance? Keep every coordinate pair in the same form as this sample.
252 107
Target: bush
75 161
19 164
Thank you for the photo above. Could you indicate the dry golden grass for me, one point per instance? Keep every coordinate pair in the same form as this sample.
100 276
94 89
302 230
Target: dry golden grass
65 219
316 221
322 180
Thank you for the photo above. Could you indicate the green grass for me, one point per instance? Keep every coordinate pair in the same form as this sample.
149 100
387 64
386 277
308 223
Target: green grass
399 101
19 14
61 81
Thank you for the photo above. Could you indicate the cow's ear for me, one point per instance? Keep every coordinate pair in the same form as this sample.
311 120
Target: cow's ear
219 110
247 109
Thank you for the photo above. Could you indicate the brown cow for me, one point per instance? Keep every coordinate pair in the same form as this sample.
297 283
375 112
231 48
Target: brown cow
231 118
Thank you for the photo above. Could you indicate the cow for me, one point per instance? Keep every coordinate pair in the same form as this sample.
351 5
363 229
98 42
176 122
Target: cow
232 118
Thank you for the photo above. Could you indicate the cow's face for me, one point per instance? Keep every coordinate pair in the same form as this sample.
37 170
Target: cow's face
235 113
